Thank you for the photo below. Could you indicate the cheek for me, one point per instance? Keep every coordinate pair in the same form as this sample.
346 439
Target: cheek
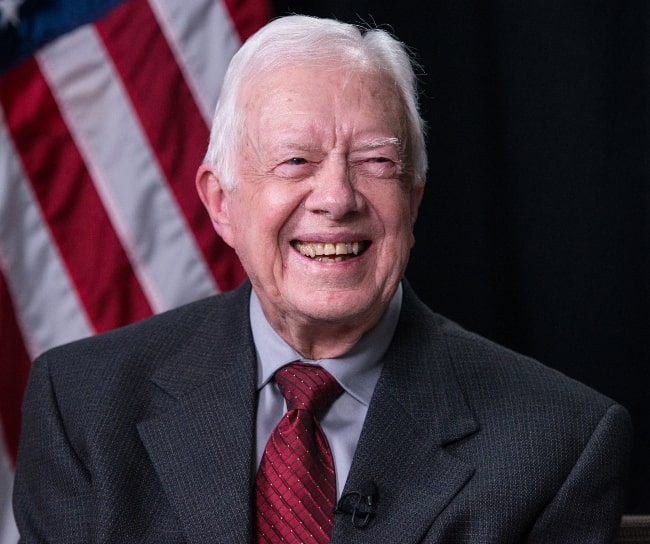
395 213
258 231
280 211
399 236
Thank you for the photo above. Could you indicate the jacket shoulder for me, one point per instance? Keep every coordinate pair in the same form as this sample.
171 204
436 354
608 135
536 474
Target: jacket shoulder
112 370
486 370
160 333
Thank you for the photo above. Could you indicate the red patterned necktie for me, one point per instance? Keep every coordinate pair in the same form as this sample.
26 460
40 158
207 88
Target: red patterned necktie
296 487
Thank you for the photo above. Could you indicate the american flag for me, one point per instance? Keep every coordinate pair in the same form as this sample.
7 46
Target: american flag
105 108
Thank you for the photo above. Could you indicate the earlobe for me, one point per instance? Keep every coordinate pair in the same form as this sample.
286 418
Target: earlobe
215 198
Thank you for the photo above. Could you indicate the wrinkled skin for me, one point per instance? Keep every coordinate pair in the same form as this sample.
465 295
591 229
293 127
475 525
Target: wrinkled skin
322 162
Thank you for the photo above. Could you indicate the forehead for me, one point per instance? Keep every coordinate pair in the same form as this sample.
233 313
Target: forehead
305 94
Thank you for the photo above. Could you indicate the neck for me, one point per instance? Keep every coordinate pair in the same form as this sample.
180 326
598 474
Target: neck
318 338
323 341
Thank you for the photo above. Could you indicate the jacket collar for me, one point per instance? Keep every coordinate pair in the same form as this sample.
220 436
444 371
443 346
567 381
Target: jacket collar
417 413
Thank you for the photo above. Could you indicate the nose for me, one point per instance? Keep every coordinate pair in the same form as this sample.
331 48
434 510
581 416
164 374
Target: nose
333 191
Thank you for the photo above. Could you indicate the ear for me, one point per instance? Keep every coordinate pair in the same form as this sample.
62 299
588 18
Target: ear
416 198
216 199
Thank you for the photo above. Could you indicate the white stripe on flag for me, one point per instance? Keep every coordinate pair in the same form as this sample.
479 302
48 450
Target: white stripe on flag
46 303
192 29
145 215
8 530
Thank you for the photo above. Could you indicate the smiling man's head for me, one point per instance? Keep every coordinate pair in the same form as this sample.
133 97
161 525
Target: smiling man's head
314 175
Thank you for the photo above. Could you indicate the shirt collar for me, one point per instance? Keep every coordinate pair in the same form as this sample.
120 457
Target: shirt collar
357 370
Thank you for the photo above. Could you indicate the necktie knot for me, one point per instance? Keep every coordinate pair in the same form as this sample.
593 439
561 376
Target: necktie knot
307 387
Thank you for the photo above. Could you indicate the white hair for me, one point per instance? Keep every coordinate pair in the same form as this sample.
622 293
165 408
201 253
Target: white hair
298 38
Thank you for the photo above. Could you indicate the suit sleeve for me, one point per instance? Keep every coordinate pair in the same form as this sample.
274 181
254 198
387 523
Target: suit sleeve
588 506
52 488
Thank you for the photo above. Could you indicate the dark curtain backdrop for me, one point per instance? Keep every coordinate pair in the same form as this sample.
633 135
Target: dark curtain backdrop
535 227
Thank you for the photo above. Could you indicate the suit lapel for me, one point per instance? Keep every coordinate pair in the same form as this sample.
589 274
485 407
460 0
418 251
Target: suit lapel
417 411
199 436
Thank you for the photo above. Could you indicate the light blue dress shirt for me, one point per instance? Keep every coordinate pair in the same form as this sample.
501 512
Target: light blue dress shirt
357 371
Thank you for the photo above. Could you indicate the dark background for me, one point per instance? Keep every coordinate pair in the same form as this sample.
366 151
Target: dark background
535 226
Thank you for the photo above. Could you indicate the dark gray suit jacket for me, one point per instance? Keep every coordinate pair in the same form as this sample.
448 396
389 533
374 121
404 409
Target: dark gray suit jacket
145 434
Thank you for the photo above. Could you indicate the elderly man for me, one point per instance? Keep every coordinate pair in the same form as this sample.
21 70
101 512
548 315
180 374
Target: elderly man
321 400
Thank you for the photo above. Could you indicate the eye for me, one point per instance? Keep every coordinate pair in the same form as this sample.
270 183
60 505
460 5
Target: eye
379 167
297 161
294 168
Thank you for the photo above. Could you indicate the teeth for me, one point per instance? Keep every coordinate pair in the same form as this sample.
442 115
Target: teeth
332 251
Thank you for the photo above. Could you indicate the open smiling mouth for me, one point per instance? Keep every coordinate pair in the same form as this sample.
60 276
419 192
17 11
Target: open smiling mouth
333 252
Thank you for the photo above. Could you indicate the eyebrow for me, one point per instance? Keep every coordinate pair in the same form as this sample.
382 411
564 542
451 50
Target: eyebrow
294 145
379 142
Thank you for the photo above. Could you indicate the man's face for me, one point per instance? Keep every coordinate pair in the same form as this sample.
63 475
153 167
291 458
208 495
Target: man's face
322 212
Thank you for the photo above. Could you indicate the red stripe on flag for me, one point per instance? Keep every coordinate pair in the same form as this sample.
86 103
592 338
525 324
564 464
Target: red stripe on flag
14 371
248 15
170 118
83 232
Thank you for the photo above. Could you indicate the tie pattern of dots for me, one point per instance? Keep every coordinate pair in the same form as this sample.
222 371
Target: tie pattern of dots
296 485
